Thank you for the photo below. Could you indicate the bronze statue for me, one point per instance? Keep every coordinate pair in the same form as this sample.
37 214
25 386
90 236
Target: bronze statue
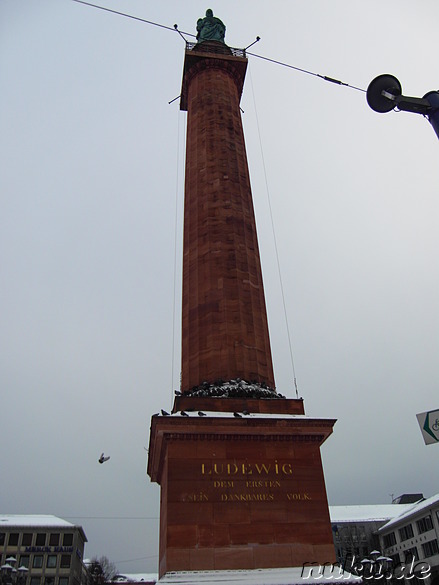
210 28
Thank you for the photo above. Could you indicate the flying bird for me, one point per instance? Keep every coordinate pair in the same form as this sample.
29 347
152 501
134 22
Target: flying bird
103 459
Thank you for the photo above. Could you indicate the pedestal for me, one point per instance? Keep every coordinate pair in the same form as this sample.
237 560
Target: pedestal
240 491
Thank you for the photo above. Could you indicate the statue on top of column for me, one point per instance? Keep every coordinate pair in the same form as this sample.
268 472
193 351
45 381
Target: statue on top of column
210 28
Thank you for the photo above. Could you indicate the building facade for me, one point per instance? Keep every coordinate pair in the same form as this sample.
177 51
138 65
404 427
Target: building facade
355 528
412 537
41 550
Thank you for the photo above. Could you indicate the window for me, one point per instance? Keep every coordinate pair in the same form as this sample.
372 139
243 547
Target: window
37 562
430 548
24 561
406 532
2 538
389 539
65 561
13 539
63 581
35 580
26 539
40 539
411 554
51 561
424 524
49 581
54 539
395 559
67 539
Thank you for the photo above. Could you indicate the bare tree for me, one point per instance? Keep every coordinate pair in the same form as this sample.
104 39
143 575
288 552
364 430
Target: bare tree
101 570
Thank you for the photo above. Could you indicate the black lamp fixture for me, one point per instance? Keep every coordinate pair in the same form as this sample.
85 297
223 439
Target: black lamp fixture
384 94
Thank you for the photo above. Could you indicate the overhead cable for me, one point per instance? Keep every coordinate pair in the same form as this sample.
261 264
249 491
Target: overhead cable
133 17
324 77
175 29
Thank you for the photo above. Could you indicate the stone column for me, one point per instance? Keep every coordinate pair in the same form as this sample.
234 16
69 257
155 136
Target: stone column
224 320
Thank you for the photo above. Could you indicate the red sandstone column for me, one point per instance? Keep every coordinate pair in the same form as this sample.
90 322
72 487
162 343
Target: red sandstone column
242 492
224 321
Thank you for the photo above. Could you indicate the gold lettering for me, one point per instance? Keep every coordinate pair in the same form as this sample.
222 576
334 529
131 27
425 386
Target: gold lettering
218 469
201 497
223 484
264 497
271 484
262 467
298 496
246 468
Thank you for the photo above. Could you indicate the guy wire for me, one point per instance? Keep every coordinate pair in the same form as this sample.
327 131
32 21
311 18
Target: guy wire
324 77
274 237
181 33
132 17
177 179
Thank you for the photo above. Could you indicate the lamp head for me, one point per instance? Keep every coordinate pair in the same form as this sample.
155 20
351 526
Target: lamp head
374 95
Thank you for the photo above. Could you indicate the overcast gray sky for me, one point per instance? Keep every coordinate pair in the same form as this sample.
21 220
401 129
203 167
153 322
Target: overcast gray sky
91 184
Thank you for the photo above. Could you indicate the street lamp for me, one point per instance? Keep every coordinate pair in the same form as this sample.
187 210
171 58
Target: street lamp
376 567
9 575
385 94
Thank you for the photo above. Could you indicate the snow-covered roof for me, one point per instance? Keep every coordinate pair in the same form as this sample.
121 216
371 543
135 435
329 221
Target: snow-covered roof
367 512
136 578
43 520
284 576
412 510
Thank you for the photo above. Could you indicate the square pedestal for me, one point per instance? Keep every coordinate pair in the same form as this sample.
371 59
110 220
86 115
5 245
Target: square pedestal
242 492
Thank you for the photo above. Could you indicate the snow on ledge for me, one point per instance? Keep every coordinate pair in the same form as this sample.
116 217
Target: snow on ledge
284 576
249 415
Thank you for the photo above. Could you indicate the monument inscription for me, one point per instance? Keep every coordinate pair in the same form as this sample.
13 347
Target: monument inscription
245 468
245 481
